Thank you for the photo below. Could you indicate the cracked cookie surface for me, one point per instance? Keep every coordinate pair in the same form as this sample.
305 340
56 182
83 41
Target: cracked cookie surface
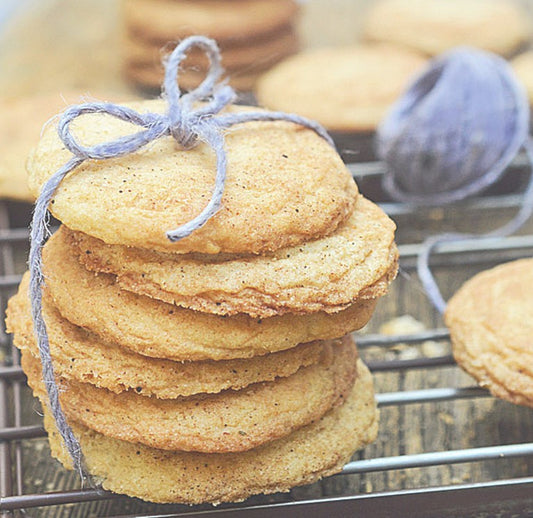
491 328
356 262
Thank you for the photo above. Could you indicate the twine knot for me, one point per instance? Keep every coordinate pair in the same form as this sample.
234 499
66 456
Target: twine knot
191 117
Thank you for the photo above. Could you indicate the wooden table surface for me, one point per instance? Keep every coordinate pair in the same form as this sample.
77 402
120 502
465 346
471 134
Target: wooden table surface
48 48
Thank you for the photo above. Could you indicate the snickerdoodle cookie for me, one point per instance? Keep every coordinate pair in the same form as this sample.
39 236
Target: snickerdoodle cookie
491 328
523 68
154 328
230 421
20 126
82 356
285 185
306 455
434 26
347 89
356 262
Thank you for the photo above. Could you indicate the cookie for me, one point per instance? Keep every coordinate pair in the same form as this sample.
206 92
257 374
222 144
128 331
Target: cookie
523 68
231 421
22 121
156 329
434 26
285 185
308 454
491 328
357 261
81 356
347 89
235 21
243 58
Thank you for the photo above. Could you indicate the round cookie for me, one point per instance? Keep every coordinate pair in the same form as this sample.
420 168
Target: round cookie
434 26
156 329
523 67
22 121
81 356
357 261
230 421
244 58
308 454
491 328
347 89
235 21
285 185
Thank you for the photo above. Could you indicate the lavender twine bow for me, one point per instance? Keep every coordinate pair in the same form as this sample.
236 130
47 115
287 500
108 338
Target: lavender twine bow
186 123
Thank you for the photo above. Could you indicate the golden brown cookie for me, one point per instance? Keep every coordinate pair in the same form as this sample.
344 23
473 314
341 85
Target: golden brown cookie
20 127
357 261
523 67
308 454
251 57
285 185
82 356
235 21
491 328
230 421
156 329
347 89
434 26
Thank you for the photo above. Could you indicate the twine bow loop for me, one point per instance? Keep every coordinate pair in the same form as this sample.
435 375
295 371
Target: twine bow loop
185 120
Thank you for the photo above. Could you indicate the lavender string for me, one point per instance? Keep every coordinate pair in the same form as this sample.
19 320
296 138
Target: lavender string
185 123
522 216
453 134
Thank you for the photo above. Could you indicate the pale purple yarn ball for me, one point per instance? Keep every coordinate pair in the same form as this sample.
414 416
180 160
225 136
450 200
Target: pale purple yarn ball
455 130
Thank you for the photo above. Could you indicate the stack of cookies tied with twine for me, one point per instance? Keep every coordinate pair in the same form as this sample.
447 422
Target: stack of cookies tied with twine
253 35
211 362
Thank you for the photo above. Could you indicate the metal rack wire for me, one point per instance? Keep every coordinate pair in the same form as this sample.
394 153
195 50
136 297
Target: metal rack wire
510 494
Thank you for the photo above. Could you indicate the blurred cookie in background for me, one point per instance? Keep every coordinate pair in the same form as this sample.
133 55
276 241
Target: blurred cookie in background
347 89
523 68
434 26
252 35
20 128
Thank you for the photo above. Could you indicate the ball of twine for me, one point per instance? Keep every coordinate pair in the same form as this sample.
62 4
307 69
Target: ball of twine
452 135
455 130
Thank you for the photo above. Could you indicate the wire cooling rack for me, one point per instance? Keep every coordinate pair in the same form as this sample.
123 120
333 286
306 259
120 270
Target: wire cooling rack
446 448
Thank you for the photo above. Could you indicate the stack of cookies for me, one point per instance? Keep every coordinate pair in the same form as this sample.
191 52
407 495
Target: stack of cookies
252 35
216 367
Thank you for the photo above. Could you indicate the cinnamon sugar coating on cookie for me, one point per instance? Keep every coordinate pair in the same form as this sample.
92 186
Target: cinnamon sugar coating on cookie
302 457
84 357
230 421
358 261
491 328
157 329
285 185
